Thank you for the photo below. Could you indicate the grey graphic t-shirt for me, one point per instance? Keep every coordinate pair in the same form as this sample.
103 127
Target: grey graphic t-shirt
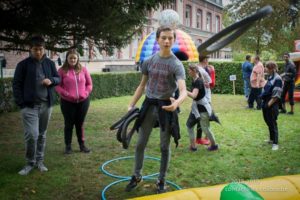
163 74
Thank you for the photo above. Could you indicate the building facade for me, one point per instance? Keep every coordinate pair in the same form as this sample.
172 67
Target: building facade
199 18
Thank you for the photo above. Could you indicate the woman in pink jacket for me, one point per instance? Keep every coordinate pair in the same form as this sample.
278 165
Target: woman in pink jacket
74 90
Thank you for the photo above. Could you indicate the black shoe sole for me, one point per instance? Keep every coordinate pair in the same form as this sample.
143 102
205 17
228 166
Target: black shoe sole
129 189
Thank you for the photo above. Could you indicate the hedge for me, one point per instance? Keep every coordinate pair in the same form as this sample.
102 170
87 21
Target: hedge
120 84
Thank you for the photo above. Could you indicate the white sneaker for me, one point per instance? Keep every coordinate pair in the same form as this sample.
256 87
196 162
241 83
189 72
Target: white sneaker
275 147
26 170
42 167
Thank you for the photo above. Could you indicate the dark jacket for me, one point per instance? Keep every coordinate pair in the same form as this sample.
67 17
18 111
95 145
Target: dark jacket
24 90
289 72
172 117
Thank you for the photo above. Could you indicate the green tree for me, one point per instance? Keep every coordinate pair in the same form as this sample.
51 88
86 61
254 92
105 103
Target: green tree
276 32
67 23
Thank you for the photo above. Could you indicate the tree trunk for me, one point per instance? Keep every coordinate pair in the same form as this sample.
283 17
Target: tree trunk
258 45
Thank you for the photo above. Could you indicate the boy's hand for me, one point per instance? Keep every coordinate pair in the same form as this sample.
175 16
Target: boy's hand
130 107
172 106
46 82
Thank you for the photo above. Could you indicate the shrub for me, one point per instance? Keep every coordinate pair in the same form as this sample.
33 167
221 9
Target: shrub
119 84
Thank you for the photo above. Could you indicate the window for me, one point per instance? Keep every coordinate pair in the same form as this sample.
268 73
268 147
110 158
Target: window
217 24
171 5
199 19
198 42
208 22
188 15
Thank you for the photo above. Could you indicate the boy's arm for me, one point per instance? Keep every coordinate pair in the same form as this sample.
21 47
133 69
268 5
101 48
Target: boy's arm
182 95
138 92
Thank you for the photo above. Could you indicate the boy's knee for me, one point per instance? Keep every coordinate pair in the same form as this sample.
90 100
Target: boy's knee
164 148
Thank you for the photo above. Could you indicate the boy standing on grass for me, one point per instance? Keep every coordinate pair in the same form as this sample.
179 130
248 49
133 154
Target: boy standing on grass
162 74
33 84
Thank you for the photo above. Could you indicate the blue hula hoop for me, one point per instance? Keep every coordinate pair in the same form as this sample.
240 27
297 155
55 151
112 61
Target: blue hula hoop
127 178
103 197
102 168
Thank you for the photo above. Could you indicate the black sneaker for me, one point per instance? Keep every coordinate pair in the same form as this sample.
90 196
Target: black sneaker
84 149
290 113
68 149
133 183
214 118
161 186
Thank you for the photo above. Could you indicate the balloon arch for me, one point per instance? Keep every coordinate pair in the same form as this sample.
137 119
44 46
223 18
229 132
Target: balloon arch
183 43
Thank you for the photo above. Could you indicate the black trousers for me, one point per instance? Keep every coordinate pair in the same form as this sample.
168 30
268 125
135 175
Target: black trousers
74 114
288 87
199 130
255 96
270 117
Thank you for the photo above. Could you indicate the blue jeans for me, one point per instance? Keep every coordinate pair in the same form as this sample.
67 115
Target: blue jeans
247 87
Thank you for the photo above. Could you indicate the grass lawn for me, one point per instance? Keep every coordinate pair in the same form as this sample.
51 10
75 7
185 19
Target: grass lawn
243 155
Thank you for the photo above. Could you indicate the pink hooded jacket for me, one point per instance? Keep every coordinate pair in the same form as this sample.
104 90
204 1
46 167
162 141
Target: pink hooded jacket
74 87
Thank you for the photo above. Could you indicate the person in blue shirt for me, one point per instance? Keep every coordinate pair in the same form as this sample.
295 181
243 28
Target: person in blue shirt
270 99
246 70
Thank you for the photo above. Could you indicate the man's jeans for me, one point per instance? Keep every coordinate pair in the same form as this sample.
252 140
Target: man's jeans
247 87
35 122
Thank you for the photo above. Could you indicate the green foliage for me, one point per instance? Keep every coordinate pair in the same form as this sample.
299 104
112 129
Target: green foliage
276 32
223 71
67 24
268 55
114 84
6 95
104 85
239 56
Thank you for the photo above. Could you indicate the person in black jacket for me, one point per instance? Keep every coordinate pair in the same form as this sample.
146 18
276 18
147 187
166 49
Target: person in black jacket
33 84
288 77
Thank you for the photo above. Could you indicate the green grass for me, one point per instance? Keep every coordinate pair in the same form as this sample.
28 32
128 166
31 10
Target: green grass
242 156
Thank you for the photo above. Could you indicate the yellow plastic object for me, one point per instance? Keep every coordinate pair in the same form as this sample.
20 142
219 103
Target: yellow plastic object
275 188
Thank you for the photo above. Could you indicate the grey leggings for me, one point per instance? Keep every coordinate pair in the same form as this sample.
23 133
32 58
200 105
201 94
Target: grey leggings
204 122
143 137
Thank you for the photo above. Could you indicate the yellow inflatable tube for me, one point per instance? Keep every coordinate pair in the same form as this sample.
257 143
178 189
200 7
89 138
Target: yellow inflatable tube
275 188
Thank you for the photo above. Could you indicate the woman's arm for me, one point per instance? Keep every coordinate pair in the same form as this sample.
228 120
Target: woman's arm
194 93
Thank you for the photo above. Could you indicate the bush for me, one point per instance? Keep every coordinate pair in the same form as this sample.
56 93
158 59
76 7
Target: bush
6 96
104 86
114 84
119 84
223 71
